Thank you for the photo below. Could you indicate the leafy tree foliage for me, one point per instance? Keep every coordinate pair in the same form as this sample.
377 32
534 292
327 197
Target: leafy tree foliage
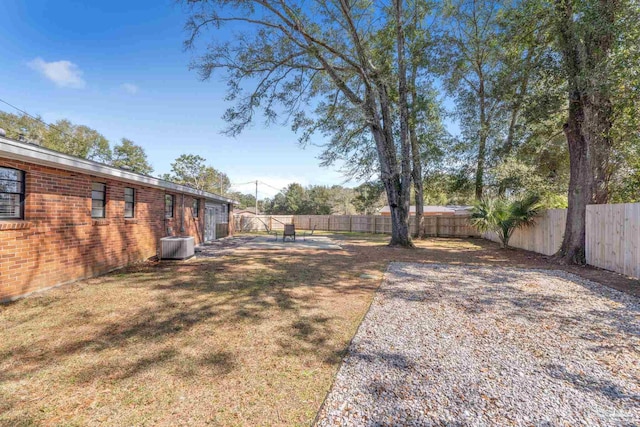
369 198
244 200
312 200
63 136
493 60
129 155
78 140
504 216
191 170
341 68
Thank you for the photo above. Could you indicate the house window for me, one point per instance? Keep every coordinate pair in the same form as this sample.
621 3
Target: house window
11 193
195 208
98 199
168 206
129 202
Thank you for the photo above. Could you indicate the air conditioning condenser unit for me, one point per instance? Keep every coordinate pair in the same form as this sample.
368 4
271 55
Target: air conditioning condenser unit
177 247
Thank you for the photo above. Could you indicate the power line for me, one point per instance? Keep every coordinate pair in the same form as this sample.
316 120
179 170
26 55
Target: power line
270 186
260 193
38 119
242 183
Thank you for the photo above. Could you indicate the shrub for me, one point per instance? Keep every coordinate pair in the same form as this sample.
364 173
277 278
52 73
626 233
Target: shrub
504 216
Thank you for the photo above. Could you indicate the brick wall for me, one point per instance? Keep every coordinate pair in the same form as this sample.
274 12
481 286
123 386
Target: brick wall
58 241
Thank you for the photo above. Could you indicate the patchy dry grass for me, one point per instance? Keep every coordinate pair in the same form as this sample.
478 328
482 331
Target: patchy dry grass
250 338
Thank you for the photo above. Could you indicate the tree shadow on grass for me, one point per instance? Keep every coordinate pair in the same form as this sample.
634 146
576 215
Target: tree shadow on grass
175 300
148 326
185 296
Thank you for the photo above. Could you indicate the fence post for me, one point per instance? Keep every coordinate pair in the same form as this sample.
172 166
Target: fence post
375 227
350 223
437 225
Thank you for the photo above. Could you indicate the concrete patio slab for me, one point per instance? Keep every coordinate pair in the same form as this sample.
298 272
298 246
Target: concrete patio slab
311 242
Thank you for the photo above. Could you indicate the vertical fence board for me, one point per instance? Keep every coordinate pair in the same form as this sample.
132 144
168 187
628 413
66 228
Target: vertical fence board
443 225
544 237
613 235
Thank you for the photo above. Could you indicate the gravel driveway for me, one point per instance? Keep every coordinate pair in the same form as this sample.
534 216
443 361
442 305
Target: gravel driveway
477 346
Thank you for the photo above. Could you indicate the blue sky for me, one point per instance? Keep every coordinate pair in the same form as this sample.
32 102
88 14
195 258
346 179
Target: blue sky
119 67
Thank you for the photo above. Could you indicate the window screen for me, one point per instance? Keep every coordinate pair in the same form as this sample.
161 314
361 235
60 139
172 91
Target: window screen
129 202
98 199
11 193
168 206
195 208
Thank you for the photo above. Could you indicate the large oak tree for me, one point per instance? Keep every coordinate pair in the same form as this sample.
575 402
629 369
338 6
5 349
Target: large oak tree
338 67
588 35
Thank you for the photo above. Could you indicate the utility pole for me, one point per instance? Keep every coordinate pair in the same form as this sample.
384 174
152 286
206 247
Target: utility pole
256 197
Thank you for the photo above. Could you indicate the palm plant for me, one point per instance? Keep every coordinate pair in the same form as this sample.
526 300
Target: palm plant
504 216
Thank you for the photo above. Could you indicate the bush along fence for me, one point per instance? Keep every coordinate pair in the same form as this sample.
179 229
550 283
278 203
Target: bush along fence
545 237
612 232
437 226
612 236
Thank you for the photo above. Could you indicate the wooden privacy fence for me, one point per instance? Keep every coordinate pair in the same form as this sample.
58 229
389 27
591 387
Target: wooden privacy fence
612 231
545 237
613 237
441 226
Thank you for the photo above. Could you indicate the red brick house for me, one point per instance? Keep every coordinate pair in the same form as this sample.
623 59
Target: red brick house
64 218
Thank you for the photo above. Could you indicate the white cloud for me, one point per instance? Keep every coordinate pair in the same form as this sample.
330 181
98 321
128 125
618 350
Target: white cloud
62 73
130 88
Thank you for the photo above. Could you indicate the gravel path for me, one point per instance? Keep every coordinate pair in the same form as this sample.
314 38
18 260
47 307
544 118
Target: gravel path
477 346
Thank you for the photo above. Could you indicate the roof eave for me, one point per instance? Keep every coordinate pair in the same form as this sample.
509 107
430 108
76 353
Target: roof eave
30 153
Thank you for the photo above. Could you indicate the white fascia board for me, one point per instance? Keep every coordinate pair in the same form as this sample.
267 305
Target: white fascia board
30 153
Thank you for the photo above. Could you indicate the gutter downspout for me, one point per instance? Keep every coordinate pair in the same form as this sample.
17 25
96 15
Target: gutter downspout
182 216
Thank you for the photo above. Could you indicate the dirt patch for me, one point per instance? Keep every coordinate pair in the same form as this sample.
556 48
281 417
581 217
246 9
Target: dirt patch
244 337
478 252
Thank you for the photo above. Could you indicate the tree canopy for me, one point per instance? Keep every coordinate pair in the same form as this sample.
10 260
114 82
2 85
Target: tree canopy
192 170
131 156
377 79
345 69
63 136
312 200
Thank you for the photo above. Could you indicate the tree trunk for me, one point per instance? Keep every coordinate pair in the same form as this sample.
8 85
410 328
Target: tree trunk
417 182
508 144
589 123
580 194
580 178
482 146
400 212
517 104
389 173
416 161
400 235
598 112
